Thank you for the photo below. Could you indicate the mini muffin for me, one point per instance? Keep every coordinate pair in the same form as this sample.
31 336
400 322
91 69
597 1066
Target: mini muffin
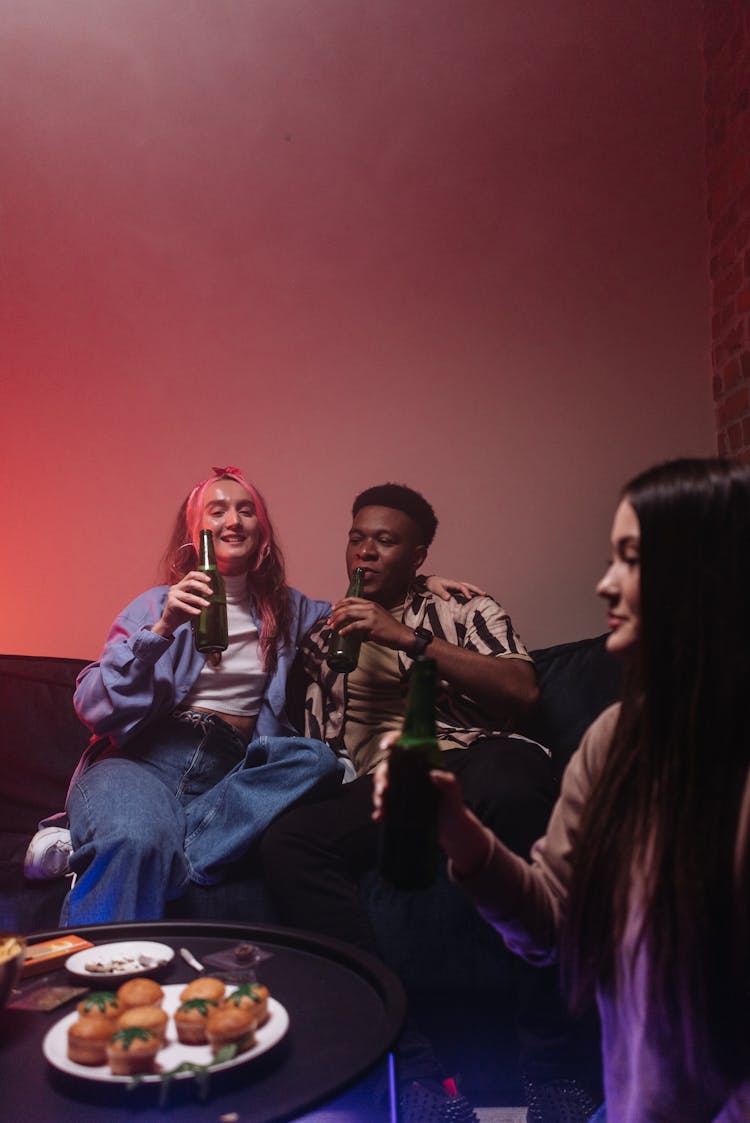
133 1050
230 1025
99 1002
190 1020
254 996
140 992
205 987
147 1017
88 1039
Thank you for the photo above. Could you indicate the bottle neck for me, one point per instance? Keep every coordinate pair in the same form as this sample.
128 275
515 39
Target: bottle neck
206 555
356 584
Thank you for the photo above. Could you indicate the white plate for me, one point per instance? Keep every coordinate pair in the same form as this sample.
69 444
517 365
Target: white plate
55 1045
127 951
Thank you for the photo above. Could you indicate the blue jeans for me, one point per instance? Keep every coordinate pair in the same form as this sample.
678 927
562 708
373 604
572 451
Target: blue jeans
599 1116
188 799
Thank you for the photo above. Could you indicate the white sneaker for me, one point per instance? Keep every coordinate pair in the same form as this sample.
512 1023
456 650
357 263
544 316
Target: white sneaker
47 854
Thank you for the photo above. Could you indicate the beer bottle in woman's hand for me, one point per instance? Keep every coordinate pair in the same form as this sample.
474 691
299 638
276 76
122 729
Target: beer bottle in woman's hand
210 631
409 830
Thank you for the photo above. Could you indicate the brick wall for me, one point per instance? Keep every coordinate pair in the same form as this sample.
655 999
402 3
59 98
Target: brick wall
727 59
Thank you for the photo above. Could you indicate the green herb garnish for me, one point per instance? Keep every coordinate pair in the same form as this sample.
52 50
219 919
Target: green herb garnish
246 990
201 1073
201 1004
100 999
133 1033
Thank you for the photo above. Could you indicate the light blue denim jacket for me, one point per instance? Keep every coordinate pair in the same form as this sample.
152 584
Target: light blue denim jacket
142 676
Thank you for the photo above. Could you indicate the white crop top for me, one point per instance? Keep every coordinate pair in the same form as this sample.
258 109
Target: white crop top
238 683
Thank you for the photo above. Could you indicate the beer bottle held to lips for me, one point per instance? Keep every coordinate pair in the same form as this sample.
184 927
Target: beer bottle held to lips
210 632
409 849
343 651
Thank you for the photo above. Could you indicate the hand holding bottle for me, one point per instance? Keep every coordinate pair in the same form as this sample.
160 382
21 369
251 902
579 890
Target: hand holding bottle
409 852
199 597
185 599
210 626
363 620
462 836
343 648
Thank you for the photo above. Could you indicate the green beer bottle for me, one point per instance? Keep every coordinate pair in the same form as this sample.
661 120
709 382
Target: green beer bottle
409 830
343 651
210 632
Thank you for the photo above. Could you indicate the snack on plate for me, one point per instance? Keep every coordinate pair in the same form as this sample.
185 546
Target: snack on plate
231 1025
254 996
205 987
147 1017
101 1003
120 965
140 992
88 1039
133 1050
190 1020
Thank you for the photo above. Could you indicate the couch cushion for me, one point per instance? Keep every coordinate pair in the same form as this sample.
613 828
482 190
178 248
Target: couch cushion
577 681
42 738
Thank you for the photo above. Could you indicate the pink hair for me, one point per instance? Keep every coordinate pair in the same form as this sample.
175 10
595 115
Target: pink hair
194 511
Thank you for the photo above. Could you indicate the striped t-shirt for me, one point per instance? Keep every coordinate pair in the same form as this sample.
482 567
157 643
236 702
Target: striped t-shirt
478 624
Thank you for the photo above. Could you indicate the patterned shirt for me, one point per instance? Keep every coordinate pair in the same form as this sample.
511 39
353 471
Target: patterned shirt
477 624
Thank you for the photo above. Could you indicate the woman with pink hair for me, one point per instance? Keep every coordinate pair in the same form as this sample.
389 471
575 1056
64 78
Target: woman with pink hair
190 757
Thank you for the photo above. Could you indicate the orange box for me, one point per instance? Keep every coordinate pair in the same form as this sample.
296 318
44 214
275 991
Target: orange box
51 954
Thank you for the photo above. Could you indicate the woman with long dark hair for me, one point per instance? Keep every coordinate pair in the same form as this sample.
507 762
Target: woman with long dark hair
642 883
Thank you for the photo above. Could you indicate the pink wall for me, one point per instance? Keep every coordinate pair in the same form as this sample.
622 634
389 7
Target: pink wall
457 245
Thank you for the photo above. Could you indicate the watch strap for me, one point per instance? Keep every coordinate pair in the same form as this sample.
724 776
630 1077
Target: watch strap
422 639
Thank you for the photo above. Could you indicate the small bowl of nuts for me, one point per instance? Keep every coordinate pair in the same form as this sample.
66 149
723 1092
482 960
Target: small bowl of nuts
12 951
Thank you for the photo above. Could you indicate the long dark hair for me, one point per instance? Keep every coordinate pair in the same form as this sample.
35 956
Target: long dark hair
266 578
664 814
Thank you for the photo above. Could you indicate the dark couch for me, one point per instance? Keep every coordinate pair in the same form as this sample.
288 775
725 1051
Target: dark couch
432 939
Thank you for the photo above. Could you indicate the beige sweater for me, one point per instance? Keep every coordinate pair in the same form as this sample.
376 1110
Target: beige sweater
646 1074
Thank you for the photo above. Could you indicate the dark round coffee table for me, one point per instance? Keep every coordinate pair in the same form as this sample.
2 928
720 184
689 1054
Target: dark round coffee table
345 1008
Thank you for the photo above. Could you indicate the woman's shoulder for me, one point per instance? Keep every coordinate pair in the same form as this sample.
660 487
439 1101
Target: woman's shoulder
155 593
306 608
589 759
145 604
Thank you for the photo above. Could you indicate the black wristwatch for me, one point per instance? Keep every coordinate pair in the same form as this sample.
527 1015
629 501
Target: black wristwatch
422 638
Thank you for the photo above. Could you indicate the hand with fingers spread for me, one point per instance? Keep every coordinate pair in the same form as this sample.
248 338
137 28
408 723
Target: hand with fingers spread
185 600
445 587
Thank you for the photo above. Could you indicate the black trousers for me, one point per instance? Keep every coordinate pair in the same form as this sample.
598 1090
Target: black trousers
314 855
